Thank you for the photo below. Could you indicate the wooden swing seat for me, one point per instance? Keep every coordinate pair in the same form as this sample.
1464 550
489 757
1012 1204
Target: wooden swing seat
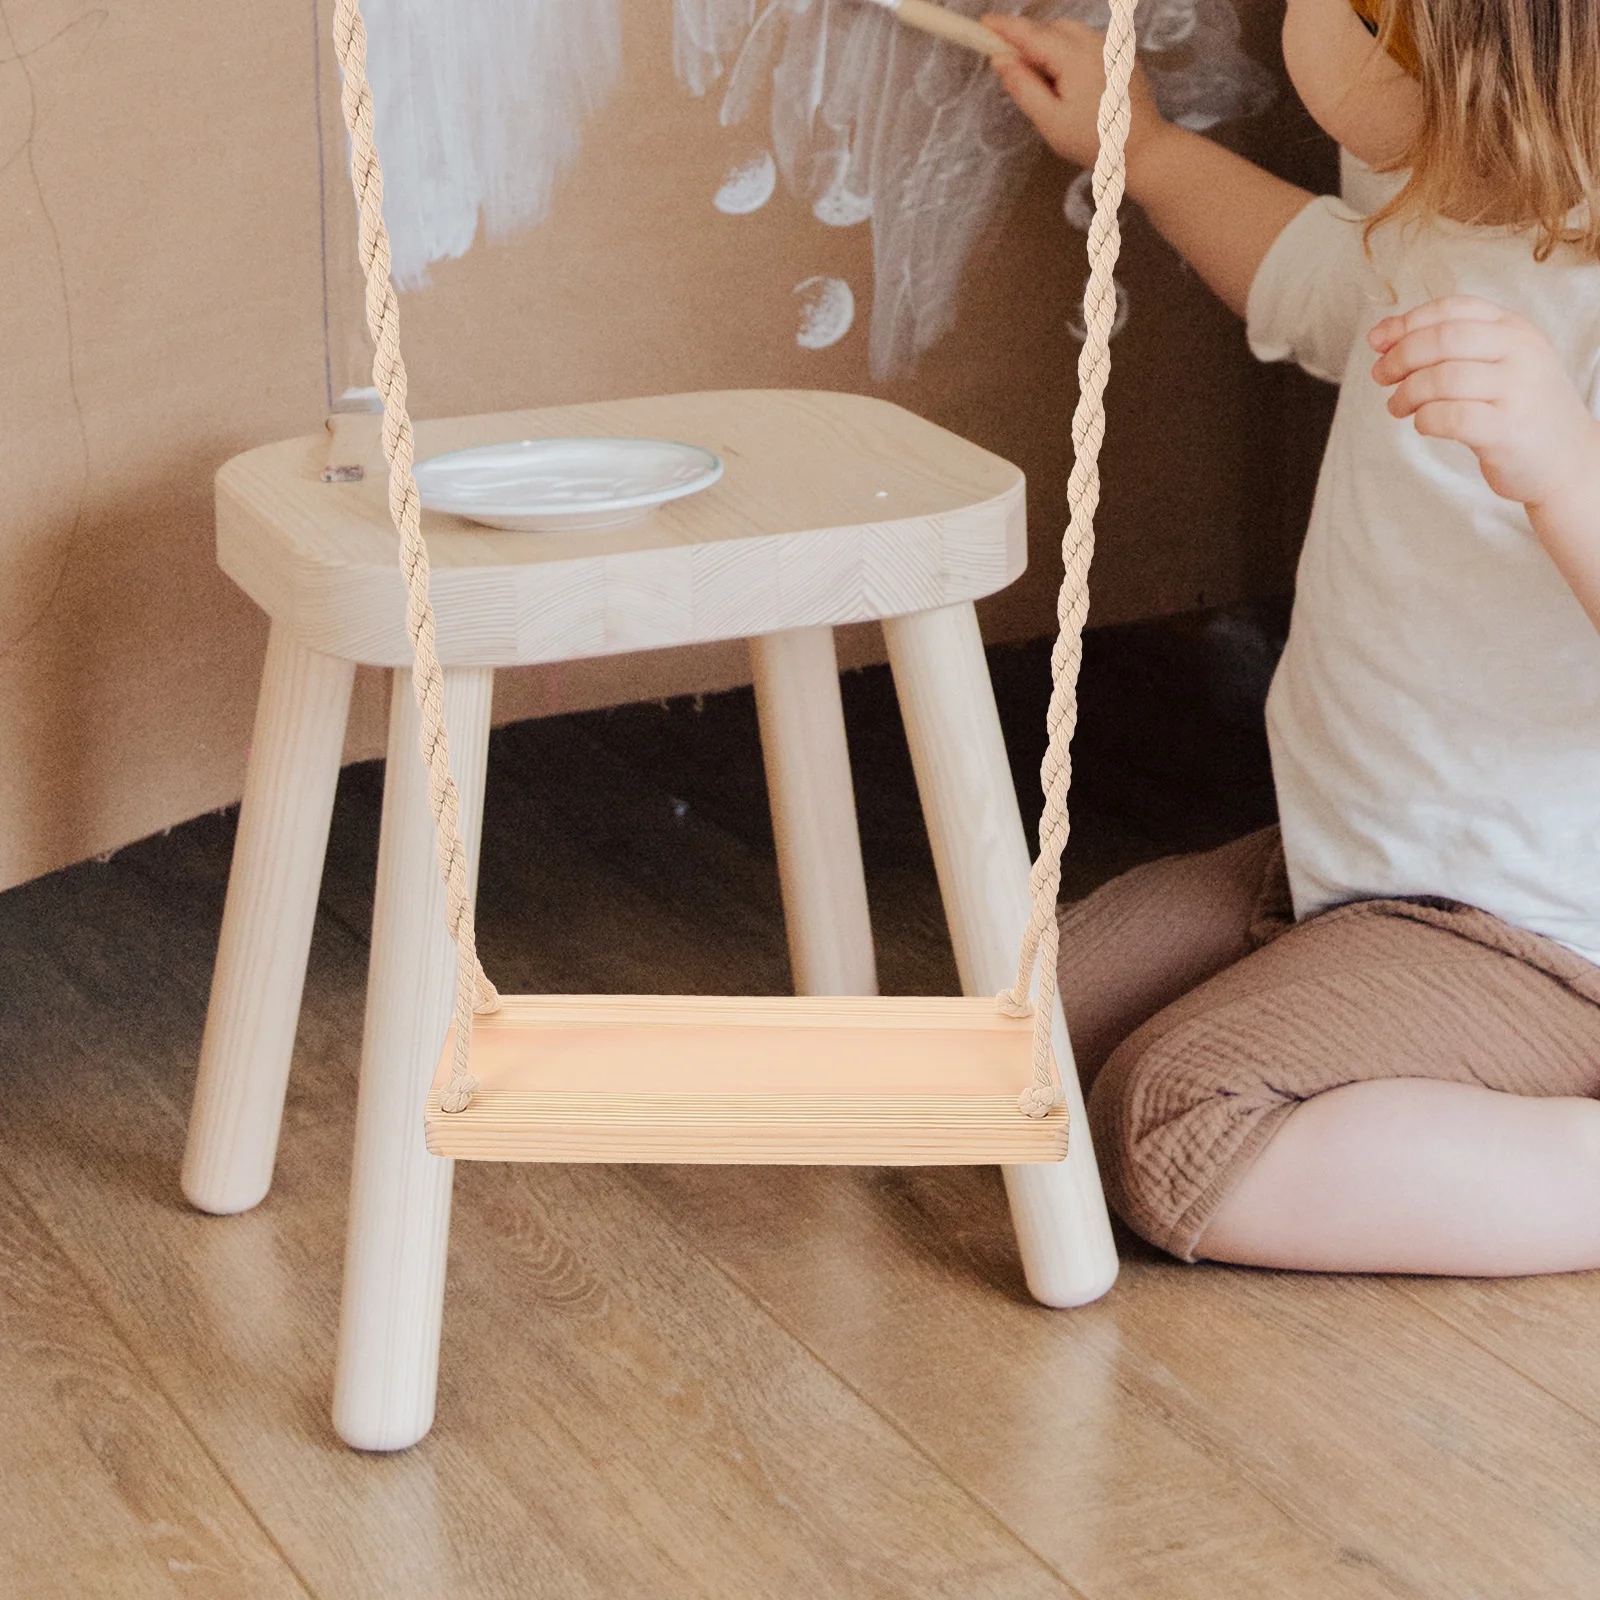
791 1080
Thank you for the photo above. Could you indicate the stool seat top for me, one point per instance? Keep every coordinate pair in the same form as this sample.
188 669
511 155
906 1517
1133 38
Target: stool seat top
832 508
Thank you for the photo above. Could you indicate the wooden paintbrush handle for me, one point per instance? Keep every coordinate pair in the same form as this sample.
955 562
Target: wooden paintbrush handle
952 25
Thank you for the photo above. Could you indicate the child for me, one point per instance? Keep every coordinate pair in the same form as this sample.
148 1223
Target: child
1375 1045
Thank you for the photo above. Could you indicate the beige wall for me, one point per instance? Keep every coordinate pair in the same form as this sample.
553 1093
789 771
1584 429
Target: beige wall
161 252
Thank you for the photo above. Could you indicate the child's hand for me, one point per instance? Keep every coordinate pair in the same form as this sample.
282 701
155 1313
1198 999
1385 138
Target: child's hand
1471 371
1057 78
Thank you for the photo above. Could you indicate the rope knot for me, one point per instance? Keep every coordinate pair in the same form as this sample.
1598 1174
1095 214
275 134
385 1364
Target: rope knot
1039 1099
1011 1006
457 1094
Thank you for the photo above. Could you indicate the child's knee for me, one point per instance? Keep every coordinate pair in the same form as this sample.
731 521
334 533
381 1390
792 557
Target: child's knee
1178 1111
1141 941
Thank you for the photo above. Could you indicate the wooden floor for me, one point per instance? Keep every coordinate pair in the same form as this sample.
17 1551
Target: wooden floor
701 1382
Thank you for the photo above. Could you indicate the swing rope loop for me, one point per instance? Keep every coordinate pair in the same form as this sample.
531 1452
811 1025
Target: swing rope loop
1041 939
474 992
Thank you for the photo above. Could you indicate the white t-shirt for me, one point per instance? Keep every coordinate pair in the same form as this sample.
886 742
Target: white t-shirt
1435 720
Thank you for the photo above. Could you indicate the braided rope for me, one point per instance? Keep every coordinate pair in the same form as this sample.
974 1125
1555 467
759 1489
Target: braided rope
1042 936
474 992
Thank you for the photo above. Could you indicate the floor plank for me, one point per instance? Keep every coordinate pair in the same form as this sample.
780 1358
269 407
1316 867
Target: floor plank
107 1492
1544 1328
1202 1430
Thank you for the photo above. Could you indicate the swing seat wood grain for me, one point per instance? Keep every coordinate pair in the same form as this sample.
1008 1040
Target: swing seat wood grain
794 1080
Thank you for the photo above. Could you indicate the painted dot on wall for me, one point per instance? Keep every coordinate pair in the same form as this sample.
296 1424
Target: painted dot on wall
1077 329
840 206
827 309
1079 203
748 185
1167 23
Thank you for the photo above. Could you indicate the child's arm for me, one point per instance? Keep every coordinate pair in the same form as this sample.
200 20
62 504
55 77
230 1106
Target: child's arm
1470 371
1220 212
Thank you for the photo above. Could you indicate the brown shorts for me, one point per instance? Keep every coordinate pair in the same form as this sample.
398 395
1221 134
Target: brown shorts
1202 1014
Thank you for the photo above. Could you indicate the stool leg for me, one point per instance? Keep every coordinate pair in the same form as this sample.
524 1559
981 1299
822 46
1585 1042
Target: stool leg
266 925
981 853
399 1221
813 812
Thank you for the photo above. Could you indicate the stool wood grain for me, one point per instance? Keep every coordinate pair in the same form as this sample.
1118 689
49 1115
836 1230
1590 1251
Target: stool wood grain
831 508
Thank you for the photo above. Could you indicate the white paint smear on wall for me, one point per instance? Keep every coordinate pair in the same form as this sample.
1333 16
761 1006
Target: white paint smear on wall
918 134
748 185
704 34
479 110
827 310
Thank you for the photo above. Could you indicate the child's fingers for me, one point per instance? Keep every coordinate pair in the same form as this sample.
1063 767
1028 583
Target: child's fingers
1021 35
1451 308
1047 48
1034 94
1442 341
1448 381
1468 422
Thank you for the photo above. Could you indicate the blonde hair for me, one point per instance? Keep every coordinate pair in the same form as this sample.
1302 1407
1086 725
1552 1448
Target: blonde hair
1510 129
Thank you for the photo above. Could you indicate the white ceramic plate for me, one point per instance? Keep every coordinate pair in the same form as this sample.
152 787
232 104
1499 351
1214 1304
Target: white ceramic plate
552 485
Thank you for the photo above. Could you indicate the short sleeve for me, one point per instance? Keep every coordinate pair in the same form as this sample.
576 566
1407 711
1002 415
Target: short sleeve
1314 291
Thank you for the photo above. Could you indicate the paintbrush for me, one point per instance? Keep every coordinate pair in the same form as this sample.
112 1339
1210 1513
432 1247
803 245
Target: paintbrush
947 25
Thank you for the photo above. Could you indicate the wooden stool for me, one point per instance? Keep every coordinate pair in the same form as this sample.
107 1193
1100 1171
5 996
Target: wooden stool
833 508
